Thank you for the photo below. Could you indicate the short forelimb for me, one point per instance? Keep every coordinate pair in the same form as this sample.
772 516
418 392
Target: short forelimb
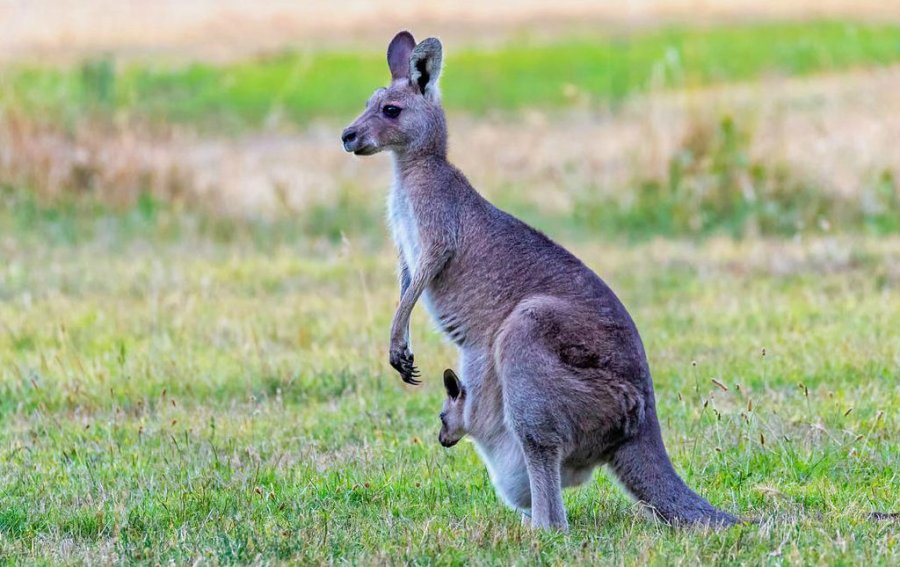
405 282
430 265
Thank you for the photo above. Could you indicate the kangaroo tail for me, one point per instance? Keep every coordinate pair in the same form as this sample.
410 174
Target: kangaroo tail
643 466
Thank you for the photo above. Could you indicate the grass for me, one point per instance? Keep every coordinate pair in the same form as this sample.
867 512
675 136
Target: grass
175 388
714 186
178 386
303 86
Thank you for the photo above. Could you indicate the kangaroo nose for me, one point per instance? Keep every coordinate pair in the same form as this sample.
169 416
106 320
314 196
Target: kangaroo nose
348 136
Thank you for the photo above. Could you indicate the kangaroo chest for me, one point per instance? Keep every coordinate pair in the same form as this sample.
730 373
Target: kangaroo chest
404 228
407 236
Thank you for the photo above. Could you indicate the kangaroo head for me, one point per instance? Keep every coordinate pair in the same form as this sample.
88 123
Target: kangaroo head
452 419
405 117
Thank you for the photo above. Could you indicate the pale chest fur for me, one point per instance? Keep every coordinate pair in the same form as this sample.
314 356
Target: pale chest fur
404 228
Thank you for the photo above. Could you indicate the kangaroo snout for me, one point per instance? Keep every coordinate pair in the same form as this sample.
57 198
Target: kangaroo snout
348 137
358 139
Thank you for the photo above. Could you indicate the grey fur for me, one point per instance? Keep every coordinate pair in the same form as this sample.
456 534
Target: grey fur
553 371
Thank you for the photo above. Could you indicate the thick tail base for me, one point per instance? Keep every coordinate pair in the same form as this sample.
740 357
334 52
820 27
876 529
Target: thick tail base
643 467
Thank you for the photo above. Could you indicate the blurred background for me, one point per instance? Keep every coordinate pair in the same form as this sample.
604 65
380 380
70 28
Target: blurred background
196 283
632 118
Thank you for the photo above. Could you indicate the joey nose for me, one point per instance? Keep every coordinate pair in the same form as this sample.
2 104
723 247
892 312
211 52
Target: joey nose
348 137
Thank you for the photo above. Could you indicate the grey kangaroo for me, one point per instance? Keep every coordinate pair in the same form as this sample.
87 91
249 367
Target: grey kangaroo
553 371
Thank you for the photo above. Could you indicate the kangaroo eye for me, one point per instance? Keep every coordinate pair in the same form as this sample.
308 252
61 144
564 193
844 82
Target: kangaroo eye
391 111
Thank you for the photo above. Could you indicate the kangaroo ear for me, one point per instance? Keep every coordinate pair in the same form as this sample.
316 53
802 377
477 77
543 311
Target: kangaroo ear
452 384
425 67
398 55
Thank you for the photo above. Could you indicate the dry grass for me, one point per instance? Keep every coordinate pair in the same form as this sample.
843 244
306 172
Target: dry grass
224 29
114 164
837 133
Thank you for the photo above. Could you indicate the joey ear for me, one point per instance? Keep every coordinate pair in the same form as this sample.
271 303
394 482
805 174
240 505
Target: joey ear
452 384
425 67
398 55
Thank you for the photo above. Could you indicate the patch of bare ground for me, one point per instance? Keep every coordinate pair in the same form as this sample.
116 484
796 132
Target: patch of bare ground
224 29
836 132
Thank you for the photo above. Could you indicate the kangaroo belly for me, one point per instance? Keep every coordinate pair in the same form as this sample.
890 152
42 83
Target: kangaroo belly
509 475
461 310
452 323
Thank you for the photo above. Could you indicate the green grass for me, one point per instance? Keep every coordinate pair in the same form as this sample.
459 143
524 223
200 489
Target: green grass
174 388
302 86
176 385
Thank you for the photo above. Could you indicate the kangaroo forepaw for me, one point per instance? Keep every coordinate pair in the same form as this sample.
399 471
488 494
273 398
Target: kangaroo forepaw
402 359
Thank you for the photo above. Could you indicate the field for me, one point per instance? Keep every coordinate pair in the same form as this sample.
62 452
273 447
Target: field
196 288
301 86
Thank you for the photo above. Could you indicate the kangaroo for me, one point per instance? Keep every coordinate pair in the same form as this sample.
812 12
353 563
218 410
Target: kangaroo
554 372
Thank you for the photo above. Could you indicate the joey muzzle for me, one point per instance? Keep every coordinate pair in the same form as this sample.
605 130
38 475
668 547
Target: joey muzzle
447 443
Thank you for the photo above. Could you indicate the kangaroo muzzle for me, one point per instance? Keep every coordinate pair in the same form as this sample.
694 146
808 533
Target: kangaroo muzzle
349 138
446 442
356 141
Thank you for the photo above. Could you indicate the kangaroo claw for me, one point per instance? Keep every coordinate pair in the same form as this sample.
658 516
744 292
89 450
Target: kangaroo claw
401 359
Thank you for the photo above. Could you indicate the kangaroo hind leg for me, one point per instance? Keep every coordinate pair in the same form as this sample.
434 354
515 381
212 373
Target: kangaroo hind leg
547 510
535 411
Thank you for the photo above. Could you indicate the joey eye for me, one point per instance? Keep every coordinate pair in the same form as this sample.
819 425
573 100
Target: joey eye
391 111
